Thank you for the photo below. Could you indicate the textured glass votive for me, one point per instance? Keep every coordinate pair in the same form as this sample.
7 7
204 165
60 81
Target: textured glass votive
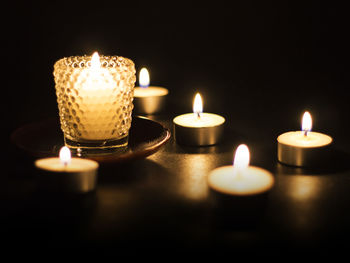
94 98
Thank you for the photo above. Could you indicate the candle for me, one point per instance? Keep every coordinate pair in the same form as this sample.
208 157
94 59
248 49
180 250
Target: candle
94 96
67 174
303 148
240 179
198 128
148 99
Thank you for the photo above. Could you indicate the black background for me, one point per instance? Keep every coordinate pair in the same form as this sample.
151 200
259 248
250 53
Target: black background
253 60
258 63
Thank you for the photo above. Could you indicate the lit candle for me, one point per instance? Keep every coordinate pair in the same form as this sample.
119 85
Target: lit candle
148 99
94 96
240 179
303 148
95 85
198 128
67 174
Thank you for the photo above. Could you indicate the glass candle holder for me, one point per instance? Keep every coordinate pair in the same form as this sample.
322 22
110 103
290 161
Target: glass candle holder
94 96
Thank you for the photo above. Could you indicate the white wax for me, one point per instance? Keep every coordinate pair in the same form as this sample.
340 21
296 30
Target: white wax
151 91
54 164
205 120
96 93
298 139
252 180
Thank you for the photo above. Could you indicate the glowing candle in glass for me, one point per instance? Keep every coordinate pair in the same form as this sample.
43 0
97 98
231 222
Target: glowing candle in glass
94 96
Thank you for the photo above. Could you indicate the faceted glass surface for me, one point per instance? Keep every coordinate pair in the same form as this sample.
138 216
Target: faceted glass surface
95 104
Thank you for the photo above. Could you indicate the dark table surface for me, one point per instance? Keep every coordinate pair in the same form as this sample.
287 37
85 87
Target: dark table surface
164 200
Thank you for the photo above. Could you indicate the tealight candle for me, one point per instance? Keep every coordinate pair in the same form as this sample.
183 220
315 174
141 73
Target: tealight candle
198 128
240 179
303 148
148 99
67 174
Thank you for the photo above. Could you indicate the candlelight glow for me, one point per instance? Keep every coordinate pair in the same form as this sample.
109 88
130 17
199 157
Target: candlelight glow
197 104
242 156
307 122
65 155
95 61
144 78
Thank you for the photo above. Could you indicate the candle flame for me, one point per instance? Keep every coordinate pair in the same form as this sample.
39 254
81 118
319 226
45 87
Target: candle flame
197 104
95 61
241 157
144 78
306 123
65 155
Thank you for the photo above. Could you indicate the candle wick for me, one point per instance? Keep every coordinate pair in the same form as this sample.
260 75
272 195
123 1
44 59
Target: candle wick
198 114
65 164
305 133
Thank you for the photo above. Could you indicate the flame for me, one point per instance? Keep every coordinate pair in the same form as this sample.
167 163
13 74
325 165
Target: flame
144 78
95 61
241 157
307 122
65 155
197 104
